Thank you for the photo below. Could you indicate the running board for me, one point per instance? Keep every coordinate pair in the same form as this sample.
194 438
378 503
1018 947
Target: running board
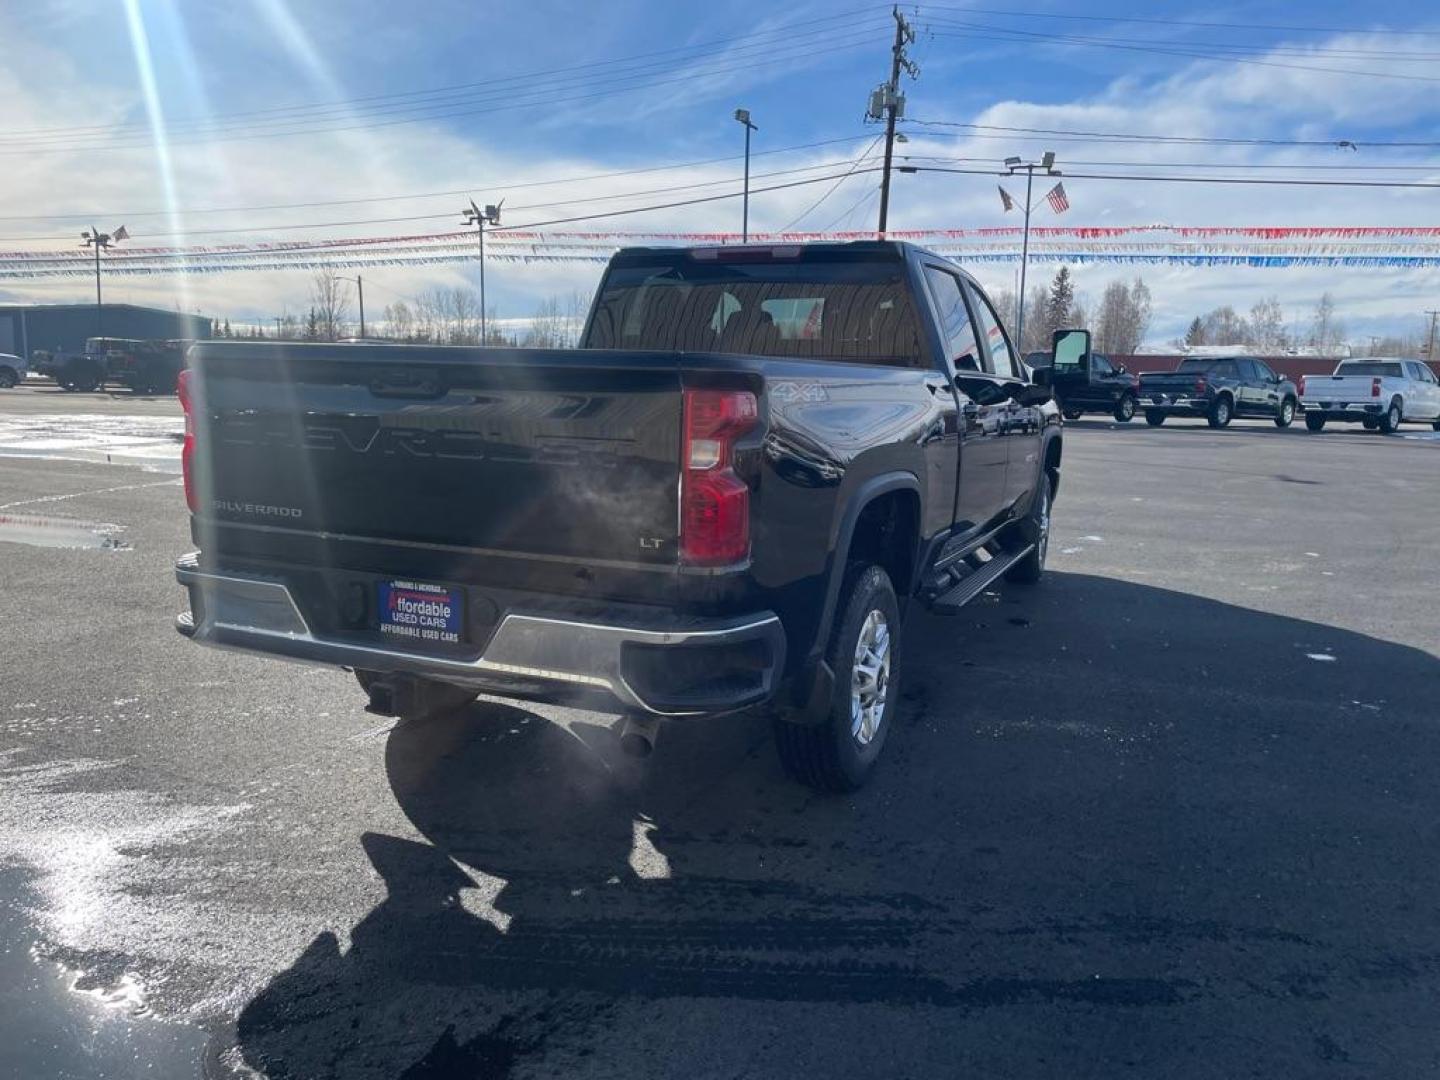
975 582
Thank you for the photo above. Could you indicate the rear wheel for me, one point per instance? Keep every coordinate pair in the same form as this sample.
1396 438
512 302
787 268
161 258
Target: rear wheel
1435 426
1286 416
8 378
1154 417
1315 421
1390 419
1125 408
1220 412
839 752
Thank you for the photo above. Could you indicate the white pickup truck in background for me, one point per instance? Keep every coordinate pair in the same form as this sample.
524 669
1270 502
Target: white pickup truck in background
1379 392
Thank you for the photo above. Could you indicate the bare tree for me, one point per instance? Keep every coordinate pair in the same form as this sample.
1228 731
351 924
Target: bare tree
1326 331
1267 324
549 328
330 299
1223 326
400 321
1123 318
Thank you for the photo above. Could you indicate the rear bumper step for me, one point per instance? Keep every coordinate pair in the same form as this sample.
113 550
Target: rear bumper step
688 667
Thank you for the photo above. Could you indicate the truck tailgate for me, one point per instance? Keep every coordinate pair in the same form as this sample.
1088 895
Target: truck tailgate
533 453
1322 388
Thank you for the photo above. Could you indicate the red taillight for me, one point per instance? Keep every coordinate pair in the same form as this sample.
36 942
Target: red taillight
1374 387
1200 385
187 449
1300 386
714 502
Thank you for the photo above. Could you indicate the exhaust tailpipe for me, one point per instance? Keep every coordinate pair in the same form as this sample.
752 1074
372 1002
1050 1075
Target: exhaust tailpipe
638 734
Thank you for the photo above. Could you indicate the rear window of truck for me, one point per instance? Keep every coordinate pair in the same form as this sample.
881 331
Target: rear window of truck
1369 367
853 310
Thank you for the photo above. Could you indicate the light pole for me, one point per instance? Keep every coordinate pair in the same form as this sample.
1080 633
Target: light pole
480 218
96 239
360 288
1014 164
743 115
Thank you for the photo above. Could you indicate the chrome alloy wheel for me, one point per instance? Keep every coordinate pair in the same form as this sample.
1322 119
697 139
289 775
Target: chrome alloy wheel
870 678
1042 542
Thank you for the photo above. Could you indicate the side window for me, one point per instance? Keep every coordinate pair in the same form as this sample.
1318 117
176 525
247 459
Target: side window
1225 369
1002 359
1100 366
955 325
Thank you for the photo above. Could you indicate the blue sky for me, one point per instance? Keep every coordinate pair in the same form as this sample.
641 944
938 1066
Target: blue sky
597 88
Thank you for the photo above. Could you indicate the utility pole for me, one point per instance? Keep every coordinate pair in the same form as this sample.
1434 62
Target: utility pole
887 100
1047 162
480 218
743 115
278 320
1430 348
96 239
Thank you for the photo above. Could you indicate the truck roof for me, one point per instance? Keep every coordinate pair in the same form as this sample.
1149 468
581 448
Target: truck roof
799 249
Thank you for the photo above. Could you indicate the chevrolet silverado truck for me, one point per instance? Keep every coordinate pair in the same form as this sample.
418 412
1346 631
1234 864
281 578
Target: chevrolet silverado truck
730 495
1219 388
1379 393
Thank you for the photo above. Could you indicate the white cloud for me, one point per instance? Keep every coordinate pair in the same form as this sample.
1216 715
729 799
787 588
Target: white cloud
1203 100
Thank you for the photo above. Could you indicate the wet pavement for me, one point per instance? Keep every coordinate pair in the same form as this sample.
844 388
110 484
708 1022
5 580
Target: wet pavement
1130 822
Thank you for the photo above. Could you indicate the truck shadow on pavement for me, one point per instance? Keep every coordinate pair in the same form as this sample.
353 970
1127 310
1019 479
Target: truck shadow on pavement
1102 799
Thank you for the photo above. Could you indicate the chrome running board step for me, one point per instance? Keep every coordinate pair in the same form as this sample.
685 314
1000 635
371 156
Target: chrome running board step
976 581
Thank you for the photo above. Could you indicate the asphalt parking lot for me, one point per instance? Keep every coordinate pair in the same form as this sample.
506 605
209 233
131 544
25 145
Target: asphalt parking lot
1172 812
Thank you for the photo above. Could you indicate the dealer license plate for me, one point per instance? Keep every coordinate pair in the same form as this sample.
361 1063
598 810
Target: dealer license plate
417 611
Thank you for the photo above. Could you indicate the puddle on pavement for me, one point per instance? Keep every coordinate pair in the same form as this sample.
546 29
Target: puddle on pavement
52 532
50 1029
150 442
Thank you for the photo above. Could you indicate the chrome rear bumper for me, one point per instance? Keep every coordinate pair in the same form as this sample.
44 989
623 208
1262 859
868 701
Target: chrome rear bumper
741 658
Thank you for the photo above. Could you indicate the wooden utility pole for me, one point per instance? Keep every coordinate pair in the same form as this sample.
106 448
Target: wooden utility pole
889 100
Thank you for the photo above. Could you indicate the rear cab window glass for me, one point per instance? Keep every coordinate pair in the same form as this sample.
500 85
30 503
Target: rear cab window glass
961 347
1375 368
831 307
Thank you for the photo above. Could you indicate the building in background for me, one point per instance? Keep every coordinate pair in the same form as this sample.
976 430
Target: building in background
26 327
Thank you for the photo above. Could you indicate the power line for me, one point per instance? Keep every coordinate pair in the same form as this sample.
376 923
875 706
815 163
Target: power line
569 72
1258 180
507 101
88 214
1188 140
1013 35
817 203
362 242
1238 165
253 229
1183 22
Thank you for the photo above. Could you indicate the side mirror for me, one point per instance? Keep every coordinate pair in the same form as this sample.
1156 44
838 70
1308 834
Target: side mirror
1071 348
1121 369
1042 376
1030 394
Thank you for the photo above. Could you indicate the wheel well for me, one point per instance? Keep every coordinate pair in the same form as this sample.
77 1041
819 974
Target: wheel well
1398 400
887 534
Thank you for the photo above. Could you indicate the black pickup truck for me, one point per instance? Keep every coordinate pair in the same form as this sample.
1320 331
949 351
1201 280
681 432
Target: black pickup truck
1219 388
1090 383
729 495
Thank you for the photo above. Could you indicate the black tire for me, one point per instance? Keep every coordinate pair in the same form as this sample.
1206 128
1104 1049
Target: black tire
1389 422
1037 531
1072 414
1370 423
1436 425
1154 417
1286 416
1221 413
1315 421
833 755
436 699
8 378
1125 408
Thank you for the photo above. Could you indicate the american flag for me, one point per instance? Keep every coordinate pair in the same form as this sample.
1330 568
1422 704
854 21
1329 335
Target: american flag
1056 197
1005 198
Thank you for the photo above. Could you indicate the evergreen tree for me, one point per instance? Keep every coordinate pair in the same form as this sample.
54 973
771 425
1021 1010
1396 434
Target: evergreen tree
312 325
1196 334
1060 305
